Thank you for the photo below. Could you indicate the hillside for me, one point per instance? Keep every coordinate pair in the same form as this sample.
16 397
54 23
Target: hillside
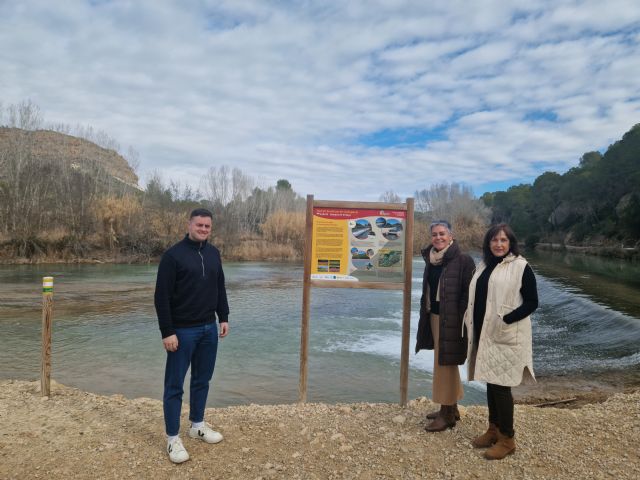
66 199
60 195
596 203
46 146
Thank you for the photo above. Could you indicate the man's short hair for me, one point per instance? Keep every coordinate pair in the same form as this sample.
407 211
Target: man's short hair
201 212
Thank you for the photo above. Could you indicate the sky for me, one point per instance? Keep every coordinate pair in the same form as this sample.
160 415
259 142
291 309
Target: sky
344 99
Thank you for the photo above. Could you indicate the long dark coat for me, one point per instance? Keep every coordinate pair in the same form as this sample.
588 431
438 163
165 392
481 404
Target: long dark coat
457 270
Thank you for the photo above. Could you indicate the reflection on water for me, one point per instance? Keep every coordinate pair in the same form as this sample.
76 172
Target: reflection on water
106 339
589 315
614 283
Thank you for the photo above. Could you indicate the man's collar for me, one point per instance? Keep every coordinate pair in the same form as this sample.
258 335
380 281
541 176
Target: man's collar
193 243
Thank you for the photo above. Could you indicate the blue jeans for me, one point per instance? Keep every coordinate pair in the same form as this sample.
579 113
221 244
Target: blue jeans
197 346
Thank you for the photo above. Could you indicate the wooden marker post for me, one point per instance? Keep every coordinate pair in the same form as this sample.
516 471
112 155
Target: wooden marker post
47 317
406 305
306 301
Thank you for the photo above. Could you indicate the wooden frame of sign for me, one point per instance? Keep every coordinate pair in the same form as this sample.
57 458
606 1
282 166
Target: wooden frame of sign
404 285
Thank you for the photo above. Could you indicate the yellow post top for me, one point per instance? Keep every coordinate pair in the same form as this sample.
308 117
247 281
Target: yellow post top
47 285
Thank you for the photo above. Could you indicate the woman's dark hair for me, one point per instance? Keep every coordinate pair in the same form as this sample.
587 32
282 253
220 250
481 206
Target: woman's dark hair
492 232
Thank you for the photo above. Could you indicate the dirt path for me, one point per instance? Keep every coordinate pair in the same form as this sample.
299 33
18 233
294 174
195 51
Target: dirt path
75 434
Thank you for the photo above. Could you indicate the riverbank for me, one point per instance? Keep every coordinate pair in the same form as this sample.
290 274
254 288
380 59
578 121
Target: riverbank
609 251
575 390
39 251
269 253
82 435
239 254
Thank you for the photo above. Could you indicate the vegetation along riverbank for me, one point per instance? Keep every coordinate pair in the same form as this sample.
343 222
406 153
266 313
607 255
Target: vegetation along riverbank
70 195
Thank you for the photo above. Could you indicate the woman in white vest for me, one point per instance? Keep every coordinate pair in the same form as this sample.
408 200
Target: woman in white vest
502 296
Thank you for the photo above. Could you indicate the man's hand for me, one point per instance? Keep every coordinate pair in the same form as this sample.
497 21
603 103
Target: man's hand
170 343
224 329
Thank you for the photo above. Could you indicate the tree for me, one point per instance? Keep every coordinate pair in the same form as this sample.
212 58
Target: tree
25 116
590 159
283 185
597 199
457 204
546 192
390 197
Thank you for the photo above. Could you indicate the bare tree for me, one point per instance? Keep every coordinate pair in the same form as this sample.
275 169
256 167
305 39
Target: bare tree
241 185
390 197
21 184
133 158
456 203
63 128
216 186
25 115
99 137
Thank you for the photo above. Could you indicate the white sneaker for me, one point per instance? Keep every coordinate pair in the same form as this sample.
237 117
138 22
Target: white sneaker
205 433
177 452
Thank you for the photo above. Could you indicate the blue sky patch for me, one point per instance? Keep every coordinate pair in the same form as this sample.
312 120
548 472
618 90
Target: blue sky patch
537 115
402 137
501 186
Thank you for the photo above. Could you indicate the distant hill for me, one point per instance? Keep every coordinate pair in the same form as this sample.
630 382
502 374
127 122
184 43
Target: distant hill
596 203
46 147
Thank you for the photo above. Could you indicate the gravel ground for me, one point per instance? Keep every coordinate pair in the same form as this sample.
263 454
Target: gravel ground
75 434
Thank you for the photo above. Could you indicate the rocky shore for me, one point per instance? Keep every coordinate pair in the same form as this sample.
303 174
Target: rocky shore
75 434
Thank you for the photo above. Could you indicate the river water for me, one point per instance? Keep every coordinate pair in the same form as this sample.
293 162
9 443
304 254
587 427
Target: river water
106 340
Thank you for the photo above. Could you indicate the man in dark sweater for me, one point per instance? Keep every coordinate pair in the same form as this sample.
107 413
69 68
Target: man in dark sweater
190 293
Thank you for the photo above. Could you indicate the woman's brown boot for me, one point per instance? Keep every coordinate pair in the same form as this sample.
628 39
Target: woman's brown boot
445 419
503 447
434 414
487 439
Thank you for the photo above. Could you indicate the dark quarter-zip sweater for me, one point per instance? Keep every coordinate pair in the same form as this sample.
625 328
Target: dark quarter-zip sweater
190 288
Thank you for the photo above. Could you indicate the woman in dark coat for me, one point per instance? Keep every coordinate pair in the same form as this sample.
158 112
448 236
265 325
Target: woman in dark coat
445 291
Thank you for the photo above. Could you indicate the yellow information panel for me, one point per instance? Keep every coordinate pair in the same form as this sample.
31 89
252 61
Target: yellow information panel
351 244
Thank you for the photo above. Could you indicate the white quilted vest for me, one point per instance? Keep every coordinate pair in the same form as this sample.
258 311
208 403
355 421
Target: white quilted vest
504 355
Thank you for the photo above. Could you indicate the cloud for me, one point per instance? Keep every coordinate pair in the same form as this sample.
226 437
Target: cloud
326 94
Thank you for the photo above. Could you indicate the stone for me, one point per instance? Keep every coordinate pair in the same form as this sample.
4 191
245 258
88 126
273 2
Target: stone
399 419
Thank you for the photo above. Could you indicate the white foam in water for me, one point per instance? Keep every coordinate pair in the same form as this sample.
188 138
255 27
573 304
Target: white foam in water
585 323
396 319
574 309
606 363
387 344
548 330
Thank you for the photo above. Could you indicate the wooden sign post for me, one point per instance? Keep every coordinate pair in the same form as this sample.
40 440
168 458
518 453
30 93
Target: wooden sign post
47 317
358 245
